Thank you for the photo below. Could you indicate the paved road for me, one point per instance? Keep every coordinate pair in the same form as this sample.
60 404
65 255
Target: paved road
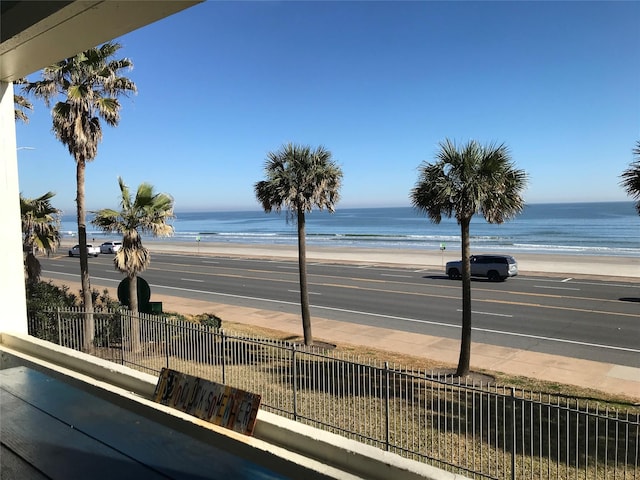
595 320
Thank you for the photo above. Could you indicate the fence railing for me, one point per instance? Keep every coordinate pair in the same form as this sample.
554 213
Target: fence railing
484 431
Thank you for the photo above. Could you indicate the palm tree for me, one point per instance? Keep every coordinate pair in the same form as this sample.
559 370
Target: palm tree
40 231
21 103
631 177
299 178
474 179
147 213
89 84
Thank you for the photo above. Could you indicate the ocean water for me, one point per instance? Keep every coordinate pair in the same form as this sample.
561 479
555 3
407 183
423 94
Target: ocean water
607 228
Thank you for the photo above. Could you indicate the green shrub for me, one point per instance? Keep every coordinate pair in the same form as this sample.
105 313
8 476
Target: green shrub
103 301
46 296
209 320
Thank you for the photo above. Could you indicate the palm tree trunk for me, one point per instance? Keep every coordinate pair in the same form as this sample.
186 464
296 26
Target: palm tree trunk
465 341
135 319
32 266
304 289
84 258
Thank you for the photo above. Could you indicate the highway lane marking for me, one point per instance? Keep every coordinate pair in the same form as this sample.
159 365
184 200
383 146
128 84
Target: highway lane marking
575 281
192 280
208 261
283 267
556 288
397 276
298 291
559 340
489 313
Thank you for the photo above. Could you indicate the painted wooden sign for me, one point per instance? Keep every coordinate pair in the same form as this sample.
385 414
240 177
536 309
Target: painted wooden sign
210 401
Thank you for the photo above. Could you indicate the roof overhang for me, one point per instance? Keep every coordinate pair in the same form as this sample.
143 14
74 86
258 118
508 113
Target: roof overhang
35 34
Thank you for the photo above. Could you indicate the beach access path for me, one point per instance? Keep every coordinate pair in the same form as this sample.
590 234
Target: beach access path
616 379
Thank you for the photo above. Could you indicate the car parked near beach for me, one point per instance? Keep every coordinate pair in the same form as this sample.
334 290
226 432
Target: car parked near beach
110 247
494 267
91 250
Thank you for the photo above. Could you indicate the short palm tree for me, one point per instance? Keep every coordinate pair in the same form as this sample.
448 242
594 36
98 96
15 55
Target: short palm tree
299 178
89 85
462 183
40 231
631 178
147 213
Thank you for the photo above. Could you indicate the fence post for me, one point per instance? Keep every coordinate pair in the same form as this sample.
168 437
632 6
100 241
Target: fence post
167 340
386 405
294 376
59 318
224 355
122 337
513 432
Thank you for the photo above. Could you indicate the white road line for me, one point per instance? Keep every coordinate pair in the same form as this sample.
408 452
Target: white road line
559 340
298 291
209 261
489 313
287 268
192 280
575 281
397 276
556 288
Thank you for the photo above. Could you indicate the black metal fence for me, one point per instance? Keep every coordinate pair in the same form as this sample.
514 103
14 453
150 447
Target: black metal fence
480 431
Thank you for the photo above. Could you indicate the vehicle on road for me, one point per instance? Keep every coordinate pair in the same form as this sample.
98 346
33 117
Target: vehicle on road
91 250
494 267
110 247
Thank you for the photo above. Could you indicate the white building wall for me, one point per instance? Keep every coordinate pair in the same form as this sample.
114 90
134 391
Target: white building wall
13 313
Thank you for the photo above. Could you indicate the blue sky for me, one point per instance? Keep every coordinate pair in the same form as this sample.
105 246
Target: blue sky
379 84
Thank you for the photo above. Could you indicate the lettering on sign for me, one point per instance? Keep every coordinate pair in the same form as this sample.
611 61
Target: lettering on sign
210 401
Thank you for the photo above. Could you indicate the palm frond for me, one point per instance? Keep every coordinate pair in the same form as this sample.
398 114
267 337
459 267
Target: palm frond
299 178
149 212
467 180
630 178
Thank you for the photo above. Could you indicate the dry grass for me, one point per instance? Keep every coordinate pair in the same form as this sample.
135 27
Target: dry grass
459 429
420 363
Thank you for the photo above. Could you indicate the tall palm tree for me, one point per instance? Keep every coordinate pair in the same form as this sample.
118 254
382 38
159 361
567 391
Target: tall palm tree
147 213
299 178
631 177
464 182
40 231
21 103
89 85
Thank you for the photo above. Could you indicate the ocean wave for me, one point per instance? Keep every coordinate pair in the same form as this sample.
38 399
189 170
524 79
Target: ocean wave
578 229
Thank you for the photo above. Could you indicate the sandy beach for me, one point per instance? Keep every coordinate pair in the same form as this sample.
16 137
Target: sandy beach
528 264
